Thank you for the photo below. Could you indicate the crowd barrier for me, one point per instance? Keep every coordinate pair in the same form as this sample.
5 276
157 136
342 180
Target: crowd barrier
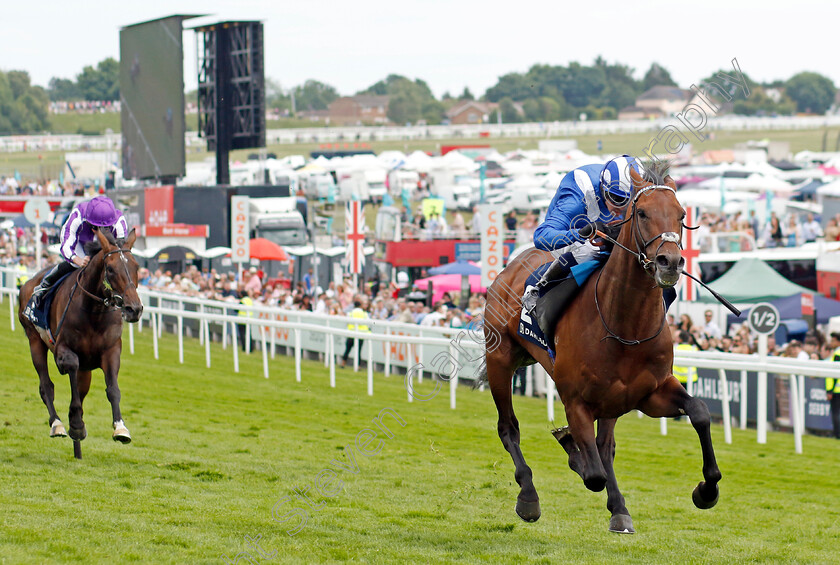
728 382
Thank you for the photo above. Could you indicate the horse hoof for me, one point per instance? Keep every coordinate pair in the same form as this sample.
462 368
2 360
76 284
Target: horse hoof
622 524
57 429
121 433
528 511
701 502
78 434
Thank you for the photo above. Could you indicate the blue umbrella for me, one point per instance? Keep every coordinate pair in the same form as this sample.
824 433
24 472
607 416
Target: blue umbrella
457 268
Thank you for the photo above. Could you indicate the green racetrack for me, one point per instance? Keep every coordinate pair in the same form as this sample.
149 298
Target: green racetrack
214 451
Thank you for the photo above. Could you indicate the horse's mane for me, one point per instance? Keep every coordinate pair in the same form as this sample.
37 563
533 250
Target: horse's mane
93 247
655 171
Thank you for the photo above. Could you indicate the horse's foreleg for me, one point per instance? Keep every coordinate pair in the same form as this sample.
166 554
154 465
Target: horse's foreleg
111 368
588 466
500 378
671 400
38 351
620 521
68 363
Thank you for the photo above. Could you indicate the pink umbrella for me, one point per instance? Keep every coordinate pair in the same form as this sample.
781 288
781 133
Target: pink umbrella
448 283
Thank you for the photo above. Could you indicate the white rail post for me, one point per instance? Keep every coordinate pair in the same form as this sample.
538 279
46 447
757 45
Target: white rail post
181 339
224 334
744 400
332 360
453 378
529 381
370 367
264 347
155 335
297 355
247 343
200 325
140 325
327 345
234 335
12 313
802 402
274 336
549 395
761 396
663 426
795 416
131 338
160 324
724 402
356 353
388 355
420 356
206 325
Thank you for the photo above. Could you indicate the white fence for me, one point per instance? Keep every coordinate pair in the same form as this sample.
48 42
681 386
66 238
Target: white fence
452 354
111 142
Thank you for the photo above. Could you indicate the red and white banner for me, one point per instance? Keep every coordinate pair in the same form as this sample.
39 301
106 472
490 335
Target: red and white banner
807 304
240 228
691 251
177 230
159 204
492 242
354 229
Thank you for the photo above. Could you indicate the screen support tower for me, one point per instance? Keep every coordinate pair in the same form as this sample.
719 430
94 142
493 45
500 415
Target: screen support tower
231 89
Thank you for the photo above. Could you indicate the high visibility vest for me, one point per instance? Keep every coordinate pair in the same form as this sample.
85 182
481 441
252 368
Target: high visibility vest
833 385
361 315
246 301
682 373
22 276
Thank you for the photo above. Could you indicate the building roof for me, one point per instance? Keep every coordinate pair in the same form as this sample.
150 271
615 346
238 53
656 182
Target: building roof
370 100
461 106
671 93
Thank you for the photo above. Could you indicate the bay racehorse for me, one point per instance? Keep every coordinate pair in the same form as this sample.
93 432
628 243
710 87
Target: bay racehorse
614 352
85 324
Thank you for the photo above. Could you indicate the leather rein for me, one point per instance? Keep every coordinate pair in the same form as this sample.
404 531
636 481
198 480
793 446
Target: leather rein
112 301
641 257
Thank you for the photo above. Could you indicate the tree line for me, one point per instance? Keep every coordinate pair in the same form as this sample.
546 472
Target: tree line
542 93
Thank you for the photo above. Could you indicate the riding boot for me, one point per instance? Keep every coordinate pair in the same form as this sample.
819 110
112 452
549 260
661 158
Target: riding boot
557 270
49 279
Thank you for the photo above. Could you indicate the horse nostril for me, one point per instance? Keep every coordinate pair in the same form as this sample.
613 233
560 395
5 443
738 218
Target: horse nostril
662 262
681 263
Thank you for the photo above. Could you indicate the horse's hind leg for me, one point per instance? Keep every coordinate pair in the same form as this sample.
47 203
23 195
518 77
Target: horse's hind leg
620 521
68 362
671 400
500 377
38 351
585 459
111 368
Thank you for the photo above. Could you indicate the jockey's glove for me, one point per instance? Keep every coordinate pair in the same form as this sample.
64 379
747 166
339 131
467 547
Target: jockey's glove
589 229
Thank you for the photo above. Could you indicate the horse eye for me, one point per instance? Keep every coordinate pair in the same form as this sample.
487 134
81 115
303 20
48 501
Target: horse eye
642 214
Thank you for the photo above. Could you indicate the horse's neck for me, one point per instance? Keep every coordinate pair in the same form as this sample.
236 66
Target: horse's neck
91 278
629 299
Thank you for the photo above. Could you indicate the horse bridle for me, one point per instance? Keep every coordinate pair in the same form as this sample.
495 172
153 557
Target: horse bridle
112 300
667 237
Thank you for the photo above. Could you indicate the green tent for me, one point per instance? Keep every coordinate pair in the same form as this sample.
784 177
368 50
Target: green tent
751 280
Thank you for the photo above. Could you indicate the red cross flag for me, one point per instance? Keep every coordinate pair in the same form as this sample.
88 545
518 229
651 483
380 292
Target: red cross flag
354 222
691 251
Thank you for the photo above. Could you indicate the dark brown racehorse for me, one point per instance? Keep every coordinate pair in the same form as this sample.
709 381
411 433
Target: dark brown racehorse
86 324
614 352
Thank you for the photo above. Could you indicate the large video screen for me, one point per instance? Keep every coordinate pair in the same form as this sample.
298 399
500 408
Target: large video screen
152 97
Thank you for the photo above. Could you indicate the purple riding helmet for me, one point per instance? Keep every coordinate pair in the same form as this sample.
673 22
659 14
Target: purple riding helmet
101 212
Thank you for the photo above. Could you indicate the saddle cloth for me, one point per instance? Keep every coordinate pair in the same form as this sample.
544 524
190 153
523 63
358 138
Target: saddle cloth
40 316
554 303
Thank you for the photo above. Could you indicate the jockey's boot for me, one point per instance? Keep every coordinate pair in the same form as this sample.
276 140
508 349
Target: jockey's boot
557 270
46 283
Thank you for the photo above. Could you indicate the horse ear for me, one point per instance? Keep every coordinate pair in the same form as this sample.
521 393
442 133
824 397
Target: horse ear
131 238
103 241
670 182
638 180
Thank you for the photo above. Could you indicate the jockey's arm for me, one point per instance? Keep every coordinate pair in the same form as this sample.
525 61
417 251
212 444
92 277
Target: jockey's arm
562 222
121 228
70 236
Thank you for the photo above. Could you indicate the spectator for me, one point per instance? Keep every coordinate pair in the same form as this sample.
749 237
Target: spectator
446 299
308 280
684 373
711 329
832 386
359 314
510 221
811 229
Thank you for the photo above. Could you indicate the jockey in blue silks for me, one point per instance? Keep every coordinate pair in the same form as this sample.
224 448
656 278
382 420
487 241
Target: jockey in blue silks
588 198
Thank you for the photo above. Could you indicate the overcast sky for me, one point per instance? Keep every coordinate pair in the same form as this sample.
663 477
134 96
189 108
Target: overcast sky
449 44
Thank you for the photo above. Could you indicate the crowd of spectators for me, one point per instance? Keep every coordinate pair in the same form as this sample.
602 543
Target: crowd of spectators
707 336
379 301
791 231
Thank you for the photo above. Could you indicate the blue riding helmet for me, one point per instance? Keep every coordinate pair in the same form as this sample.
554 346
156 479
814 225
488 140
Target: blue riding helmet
616 183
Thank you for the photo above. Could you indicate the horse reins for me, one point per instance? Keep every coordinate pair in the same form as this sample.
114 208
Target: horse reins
667 237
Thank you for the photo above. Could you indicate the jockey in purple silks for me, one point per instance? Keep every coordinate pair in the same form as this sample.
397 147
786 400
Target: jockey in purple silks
79 229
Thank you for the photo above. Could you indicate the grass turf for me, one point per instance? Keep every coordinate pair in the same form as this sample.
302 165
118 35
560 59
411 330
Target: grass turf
214 451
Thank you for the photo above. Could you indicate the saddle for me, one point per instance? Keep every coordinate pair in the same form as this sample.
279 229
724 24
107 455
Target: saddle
40 316
538 325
